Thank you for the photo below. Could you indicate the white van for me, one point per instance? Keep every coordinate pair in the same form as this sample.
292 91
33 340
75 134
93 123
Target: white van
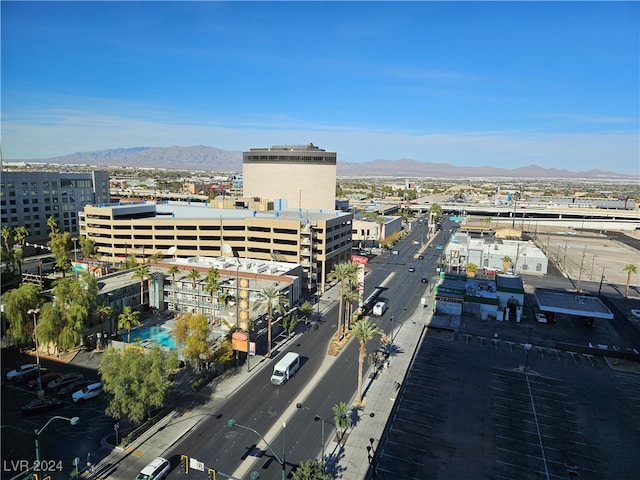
157 469
285 368
379 309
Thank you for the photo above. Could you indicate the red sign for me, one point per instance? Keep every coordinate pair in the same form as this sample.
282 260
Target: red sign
359 259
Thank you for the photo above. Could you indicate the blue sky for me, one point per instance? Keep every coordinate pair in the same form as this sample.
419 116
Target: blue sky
467 83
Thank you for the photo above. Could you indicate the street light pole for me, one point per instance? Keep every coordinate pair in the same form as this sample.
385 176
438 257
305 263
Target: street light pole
35 312
72 421
232 423
322 420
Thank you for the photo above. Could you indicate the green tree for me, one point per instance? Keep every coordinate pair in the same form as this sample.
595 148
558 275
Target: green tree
143 274
306 311
211 285
225 298
435 213
364 331
191 331
289 322
194 275
342 419
16 258
310 470
62 321
347 274
128 319
60 248
173 270
87 247
136 381
17 303
630 269
350 295
268 299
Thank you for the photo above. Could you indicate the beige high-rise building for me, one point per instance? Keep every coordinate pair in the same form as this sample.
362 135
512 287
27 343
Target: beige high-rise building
293 176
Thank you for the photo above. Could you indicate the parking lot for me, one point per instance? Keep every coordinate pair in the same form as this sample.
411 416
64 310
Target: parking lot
477 405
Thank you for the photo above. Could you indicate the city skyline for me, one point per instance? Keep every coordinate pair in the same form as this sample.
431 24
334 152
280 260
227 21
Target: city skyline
466 83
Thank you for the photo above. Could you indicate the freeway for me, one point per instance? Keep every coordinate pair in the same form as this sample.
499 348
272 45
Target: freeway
319 385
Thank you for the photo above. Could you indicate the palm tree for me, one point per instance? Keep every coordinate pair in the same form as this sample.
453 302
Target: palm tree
20 234
224 299
6 235
270 298
128 319
506 263
142 273
194 275
103 312
364 331
350 295
212 283
345 273
173 269
471 269
306 310
630 269
52 224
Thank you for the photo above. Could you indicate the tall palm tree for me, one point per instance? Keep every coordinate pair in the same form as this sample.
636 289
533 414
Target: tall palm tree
225 298
52 224
306 310
346 273
194 275
173 269
6 235
142 273
103 312
364 331
212 283
128 319
630 269
20 234
268 299
350 295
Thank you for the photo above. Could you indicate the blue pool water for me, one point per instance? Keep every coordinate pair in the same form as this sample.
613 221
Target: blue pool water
154 333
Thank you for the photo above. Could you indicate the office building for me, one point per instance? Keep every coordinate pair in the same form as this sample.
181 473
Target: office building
30 198
294 176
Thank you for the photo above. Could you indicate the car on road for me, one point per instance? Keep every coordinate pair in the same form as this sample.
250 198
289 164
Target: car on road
412 268
439 247
87 392
424 280
635 313
41 405
155 470
420 257
64 380
25 372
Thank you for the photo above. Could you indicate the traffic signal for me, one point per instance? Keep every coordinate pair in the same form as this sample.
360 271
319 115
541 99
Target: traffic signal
211 474
184 463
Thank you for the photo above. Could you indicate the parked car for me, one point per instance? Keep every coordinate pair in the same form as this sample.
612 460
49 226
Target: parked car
25 372
64 380
541 317
155 470
41 405
74 387
87 392
46 378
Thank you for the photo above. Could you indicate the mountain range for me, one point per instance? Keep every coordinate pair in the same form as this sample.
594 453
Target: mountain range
200 157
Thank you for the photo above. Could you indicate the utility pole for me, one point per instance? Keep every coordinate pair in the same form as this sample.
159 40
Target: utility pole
584 252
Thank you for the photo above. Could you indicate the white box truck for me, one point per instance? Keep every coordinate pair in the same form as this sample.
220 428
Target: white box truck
286 367
379 309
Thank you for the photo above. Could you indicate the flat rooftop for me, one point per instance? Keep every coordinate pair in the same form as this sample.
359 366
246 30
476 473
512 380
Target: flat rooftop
571 304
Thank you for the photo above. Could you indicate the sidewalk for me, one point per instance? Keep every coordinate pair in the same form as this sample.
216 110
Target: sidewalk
352 460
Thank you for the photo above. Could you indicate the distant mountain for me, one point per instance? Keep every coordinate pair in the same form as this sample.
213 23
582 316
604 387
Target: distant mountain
200 157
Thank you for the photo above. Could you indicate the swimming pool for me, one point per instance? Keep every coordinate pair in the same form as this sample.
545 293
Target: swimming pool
154 333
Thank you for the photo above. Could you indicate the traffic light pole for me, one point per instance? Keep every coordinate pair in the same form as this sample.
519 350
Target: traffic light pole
212 474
